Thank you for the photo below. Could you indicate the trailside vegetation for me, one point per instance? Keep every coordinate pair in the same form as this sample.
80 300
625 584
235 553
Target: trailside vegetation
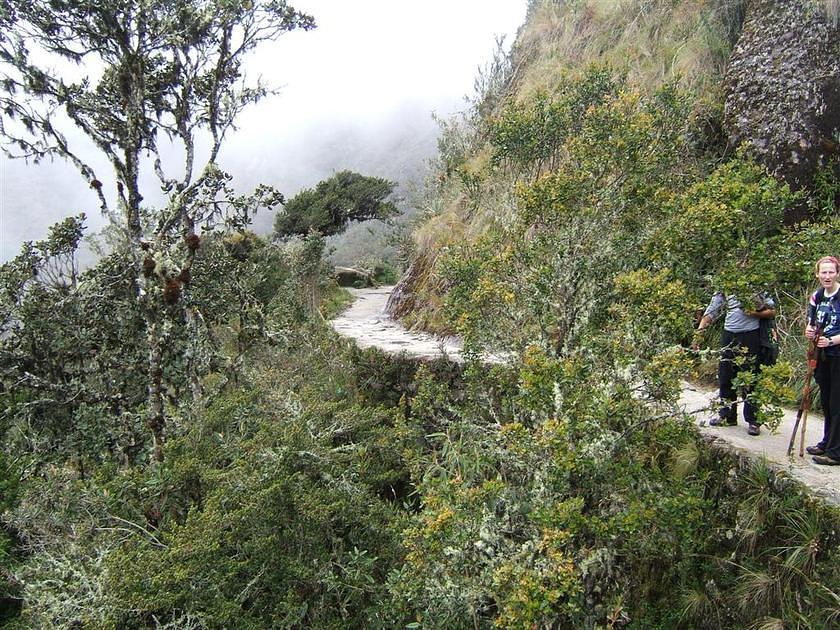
334 203
576 219
579 222
165 79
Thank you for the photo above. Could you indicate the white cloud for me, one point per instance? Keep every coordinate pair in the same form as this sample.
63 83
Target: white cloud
367 57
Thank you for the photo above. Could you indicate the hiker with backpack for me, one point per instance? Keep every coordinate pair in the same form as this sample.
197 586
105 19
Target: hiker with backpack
742 348
824 326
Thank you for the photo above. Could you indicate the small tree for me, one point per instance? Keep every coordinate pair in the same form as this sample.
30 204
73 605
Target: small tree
159 73
334 203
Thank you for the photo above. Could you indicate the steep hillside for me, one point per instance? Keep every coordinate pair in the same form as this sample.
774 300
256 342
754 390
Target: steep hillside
186 444
717 81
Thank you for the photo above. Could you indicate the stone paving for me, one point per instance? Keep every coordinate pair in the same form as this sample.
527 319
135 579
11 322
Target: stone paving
824 481
366 322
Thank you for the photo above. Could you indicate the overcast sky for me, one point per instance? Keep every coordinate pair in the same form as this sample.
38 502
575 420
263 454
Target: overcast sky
357 92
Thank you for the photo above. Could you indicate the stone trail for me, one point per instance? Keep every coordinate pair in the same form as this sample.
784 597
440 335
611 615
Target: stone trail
366 322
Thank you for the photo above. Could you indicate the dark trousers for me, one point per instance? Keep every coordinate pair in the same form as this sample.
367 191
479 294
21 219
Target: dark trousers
827 376
732 354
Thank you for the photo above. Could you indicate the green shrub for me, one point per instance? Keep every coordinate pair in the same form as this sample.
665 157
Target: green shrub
714 228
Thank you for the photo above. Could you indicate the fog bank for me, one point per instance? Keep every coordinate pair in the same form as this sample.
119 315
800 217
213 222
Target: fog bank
357 93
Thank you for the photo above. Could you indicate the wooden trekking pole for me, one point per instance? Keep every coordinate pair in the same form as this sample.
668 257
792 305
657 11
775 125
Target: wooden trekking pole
805 403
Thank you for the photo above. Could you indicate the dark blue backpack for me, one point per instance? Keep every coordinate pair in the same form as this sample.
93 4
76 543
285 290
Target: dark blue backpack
768 352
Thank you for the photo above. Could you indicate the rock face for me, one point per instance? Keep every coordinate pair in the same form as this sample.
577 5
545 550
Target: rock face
782 87
406 295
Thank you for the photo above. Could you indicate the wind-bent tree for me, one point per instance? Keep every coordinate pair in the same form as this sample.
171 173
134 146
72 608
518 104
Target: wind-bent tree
326 210
334 203
158 78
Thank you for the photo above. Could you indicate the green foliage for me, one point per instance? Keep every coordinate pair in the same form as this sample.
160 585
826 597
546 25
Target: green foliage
70 351
334 301
649 308
350 490
532 588
74 349
529 137
717 225
9 489
283 502
384 272
533 519
770 391
776 540
826 195
180 79
9 482
786 261
594 283
246 290
546 275
286 517
335 202
280 539
308 485
593 278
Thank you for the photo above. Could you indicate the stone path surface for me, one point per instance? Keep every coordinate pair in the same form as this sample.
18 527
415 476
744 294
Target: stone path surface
824 481
366 322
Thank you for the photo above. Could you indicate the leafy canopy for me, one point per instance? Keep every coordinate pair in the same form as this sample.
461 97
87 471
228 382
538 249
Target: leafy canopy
155 86
334 203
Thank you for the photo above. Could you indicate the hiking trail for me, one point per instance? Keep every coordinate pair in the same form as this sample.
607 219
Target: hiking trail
366 322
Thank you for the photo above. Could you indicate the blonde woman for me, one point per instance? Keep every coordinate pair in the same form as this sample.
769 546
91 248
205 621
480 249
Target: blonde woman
824 325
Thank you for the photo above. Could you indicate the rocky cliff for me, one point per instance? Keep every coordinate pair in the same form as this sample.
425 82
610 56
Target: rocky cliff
782 88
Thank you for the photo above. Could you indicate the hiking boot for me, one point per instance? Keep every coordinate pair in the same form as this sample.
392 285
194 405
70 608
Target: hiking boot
825 460
815 450
717 421
753 429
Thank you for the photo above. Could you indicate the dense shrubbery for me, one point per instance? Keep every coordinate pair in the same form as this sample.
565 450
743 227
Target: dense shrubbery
74 395
554 495
329 487
305 483
581 498
578 227
530 137
286 518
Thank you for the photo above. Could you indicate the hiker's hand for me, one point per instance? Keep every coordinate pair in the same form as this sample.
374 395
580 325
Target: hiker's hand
810 331
825 342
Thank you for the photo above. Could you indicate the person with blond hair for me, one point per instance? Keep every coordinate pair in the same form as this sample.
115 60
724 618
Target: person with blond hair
824 327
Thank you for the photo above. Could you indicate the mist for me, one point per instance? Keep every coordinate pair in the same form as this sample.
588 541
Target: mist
358 92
